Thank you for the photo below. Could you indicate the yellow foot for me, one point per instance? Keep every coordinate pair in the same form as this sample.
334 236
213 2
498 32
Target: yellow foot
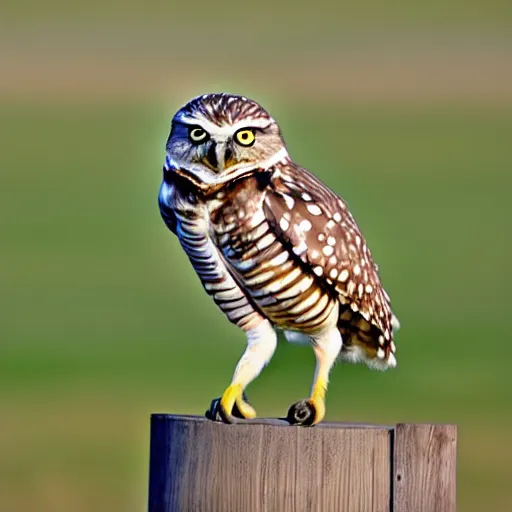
231 397
307 412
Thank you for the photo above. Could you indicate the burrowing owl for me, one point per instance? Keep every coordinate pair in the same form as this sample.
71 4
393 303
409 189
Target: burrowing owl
273 246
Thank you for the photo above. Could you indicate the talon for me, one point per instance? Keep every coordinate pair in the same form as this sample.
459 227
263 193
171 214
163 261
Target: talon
243 409
213 412
227 402
231 405
307 412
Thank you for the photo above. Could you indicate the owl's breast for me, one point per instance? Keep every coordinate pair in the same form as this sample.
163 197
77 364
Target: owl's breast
266 268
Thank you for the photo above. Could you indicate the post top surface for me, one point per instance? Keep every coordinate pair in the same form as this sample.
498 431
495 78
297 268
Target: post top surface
275 422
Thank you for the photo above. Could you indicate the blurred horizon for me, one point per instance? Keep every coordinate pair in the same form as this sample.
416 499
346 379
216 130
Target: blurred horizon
364 53
405 110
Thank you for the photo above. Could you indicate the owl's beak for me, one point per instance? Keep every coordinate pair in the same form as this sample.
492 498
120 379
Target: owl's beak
228 158
225 156
219 156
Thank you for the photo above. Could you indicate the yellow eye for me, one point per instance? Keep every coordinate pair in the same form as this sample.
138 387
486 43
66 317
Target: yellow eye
197 134
245 137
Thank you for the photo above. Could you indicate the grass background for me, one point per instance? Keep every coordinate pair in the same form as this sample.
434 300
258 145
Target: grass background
406 112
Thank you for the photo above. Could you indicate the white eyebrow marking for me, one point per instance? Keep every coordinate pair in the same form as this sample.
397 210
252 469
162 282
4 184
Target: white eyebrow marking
227 129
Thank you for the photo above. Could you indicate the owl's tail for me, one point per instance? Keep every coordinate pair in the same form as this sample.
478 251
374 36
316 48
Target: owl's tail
363 342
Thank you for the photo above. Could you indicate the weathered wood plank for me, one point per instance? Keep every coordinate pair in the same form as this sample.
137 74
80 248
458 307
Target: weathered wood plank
199 465
425 468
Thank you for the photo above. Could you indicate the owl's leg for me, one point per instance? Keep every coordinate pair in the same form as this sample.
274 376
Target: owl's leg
261 344
311 411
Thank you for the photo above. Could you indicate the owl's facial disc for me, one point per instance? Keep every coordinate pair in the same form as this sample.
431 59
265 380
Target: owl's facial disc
216 154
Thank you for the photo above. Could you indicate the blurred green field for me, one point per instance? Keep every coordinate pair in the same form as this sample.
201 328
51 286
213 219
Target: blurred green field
103 321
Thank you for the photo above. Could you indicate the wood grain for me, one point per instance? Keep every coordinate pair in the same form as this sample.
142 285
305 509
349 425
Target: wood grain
199 465
425 468
267 465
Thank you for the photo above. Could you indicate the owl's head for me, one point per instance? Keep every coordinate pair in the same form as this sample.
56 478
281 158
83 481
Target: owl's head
218 137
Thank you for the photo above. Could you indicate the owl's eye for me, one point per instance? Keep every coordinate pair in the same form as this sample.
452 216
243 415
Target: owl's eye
197 135
245 137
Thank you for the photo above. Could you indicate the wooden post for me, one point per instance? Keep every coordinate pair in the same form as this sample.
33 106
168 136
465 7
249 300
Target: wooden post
425 468
267 465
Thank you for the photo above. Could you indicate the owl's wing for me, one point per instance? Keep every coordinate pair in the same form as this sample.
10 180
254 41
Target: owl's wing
317 226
